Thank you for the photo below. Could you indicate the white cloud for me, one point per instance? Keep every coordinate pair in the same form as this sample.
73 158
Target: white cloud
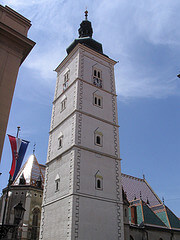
131 31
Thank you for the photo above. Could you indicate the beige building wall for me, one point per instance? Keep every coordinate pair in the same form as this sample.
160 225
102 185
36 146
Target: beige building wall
14 48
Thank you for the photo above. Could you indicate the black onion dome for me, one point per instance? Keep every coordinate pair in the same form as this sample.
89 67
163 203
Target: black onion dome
85 37
85 29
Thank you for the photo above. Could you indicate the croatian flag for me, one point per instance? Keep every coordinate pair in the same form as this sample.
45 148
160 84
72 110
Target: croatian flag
18 147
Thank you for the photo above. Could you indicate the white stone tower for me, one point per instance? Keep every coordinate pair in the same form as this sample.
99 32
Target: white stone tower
82 195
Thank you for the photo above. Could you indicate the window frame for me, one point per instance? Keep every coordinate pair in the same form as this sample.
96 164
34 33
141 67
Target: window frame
57 183
98 179
100 135
97 78
66 80
98 97
63 104
60 141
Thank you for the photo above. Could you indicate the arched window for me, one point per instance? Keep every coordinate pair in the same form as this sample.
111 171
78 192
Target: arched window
98 181
35 224
57 183
98 100
131 238
98 138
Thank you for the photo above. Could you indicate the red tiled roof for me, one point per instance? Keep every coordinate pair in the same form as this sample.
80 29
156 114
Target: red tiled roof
134 187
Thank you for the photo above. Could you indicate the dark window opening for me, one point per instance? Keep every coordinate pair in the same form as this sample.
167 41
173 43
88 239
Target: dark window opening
57 185
98 140
98 183
99 102
99 75
95 73
95 100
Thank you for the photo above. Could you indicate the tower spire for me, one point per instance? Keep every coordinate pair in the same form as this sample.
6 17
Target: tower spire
85 29
86 14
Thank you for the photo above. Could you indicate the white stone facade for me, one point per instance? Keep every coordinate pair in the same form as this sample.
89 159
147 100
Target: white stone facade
83 153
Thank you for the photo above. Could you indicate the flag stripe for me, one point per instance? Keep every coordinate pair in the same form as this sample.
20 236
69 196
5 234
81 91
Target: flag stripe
21 153
14 150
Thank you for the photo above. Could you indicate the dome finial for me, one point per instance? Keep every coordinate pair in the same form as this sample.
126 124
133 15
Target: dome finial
86 14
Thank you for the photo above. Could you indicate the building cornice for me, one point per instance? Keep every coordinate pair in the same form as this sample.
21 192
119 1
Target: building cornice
79 79
85 196
84 113
75 146
80 46
18 39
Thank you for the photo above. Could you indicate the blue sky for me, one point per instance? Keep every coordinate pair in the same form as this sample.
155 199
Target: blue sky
144 37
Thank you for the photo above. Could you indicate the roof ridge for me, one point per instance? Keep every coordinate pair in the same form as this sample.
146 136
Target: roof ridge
39 167
158 216
141 203
127 175
157 205
152 191
167 215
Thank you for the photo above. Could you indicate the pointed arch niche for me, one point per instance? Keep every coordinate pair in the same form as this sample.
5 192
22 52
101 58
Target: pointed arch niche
98 181
98 137
57 183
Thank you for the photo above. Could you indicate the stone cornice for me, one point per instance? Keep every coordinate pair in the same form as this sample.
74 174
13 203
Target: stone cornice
80 46
84 113
86 149
79 79
24 43
83 195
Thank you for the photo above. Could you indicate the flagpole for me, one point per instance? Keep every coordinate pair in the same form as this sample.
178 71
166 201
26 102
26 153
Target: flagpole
8 187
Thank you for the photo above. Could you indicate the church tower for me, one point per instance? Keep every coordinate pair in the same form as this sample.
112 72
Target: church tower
83 194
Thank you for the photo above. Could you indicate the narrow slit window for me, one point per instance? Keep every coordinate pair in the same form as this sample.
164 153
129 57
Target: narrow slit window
60 141
98 140
57 185
95 100
98 183
99 74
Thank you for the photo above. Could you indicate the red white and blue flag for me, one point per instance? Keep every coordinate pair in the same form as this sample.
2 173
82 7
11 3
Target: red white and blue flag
18 147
